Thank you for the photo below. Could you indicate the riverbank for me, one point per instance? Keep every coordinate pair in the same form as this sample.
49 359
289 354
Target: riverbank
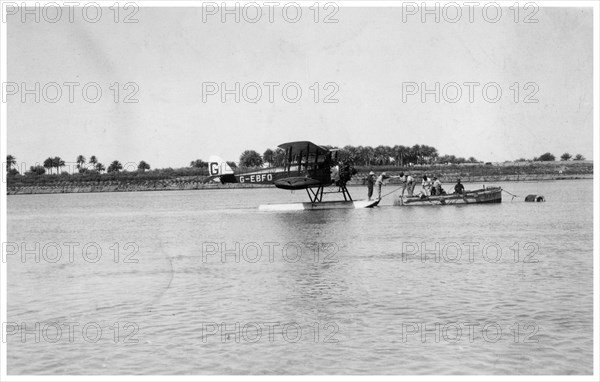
485 174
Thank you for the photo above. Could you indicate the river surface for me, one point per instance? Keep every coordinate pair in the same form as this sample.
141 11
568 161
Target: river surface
201 282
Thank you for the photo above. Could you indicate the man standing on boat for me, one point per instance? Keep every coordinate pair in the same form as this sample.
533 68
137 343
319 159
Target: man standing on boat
437 187
370 183
408 183
379 182
426 185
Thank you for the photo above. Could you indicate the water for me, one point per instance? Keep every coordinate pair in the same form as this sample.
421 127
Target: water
357 306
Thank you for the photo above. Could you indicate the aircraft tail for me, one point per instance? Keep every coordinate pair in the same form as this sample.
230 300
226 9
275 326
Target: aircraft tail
219 171
218 167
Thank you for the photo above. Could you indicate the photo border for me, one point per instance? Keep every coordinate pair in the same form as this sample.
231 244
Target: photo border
596 227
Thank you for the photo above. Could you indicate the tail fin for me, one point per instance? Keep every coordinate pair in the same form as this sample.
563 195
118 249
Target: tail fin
217 166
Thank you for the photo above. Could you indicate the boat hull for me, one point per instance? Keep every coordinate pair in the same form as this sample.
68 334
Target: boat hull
483 196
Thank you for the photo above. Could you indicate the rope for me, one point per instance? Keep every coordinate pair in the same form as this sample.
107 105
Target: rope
391 192
513 195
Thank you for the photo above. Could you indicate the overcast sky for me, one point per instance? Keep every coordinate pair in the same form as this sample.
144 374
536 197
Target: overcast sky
369 54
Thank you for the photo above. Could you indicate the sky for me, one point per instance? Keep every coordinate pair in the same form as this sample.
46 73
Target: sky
374 61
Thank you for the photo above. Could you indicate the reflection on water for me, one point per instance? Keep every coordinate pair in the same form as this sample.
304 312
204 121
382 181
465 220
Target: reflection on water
221 288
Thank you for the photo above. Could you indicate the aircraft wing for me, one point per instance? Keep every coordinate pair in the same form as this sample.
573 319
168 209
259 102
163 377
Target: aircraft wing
304 146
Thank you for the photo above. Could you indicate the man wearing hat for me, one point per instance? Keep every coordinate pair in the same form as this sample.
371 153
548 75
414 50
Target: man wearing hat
379 183
370 183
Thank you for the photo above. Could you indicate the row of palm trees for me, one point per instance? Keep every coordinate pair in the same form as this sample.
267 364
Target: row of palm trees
57 163
381 155
389 155
115 165
83 165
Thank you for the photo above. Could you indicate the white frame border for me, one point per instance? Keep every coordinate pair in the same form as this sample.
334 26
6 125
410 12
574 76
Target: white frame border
161 3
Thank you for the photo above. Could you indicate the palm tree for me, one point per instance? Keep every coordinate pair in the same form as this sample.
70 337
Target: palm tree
278 157
80 162
351 153
143 166
49 164
99 167
401 153
93 160
415 153
394 151
115 166
58 163
380 154
10 161
366 154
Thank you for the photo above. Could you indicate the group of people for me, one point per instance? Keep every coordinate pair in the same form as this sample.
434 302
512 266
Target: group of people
379 182
430 186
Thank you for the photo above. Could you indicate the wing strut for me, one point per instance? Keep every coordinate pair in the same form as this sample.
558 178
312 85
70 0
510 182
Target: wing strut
316 196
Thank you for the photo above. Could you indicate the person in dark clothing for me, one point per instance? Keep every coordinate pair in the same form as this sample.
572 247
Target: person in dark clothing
346 172
459 188
370 183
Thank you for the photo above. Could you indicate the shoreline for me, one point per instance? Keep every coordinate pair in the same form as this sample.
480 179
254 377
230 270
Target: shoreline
69 187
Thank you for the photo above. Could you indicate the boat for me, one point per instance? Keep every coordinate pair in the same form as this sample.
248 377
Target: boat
483 195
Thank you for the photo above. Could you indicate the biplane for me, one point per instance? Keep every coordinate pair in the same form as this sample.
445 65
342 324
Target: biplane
306 166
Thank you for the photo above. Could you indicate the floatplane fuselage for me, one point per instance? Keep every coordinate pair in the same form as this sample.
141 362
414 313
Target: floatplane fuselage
306 166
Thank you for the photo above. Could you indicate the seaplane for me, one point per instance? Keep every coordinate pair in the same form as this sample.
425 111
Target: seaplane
306 166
